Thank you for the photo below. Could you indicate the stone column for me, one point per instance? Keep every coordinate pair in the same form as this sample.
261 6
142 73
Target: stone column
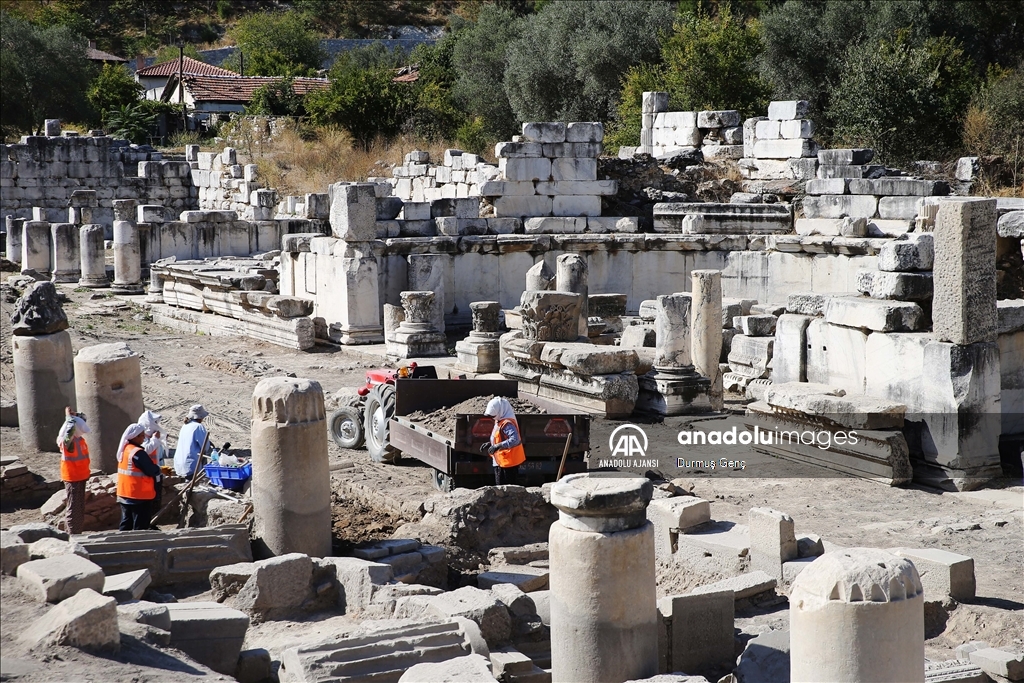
93 253
15 230
35 248
155 293
108 382
417 336
706 340
964 303
603 596
127 258
479 351
360 316
673 387
66 258
44 373
291 478
571 276
857 615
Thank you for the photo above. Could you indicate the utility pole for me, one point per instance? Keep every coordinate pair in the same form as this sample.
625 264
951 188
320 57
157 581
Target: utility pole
241 62
181 84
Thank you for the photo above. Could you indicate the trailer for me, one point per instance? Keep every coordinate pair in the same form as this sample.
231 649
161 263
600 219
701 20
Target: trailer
454 451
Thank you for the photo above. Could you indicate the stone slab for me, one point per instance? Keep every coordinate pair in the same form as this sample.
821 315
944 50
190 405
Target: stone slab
743 587
86 620
943 573
209 632
524 577
874 314
128 586
60 577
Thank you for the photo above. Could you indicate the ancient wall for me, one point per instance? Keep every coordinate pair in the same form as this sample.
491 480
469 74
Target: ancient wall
43 172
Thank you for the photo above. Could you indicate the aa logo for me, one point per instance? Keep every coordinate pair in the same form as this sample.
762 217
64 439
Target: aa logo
628 441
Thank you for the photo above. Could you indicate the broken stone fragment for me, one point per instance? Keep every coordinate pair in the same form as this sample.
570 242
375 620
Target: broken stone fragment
87 620
38 311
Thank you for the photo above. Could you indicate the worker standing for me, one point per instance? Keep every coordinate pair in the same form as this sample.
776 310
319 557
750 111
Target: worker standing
74 468
155 444
191 439
506 445
138 477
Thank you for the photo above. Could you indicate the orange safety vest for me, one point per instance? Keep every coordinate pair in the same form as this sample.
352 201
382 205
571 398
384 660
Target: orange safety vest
74 460
132 482
508 457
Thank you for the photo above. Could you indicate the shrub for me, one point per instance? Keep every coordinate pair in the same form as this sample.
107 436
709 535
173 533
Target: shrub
113 88
131 122
276 44
276 99
367 103
625 129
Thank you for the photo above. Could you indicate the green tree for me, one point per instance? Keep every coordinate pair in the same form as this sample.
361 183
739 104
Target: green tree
113 87
276 99
479 61
905 102
994 123
169 53
277 44
72 14
437 115
710 63
131 122
570 59
365 102
625 128
43 74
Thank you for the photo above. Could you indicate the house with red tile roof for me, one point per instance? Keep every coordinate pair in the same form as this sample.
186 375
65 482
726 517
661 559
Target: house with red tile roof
154 78
224 94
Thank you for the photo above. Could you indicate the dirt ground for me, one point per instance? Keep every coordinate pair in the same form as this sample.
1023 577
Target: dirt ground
181 369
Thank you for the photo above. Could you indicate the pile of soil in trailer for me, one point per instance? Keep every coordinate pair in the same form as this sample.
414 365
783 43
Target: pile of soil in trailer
443 420
353 523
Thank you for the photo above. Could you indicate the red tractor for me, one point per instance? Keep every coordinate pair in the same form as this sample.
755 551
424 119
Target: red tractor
367 416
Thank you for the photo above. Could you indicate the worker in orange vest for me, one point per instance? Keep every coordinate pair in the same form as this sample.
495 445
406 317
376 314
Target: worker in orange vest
506 445
74 468
138 477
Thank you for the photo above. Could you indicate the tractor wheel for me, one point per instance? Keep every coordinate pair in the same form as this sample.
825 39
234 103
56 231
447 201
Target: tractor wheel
346 427
380 408
443 482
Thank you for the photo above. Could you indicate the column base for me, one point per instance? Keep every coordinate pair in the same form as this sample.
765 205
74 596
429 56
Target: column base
671 393
479 357
417 345
94 283
66 277
122 288
353 336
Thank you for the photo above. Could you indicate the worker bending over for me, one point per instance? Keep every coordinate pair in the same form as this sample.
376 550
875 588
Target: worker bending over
506 445
191 440
138 477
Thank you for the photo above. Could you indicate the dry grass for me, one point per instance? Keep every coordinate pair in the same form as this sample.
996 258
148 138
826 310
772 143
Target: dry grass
299 160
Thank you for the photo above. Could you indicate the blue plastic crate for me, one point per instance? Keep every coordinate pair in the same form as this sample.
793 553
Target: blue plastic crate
233 478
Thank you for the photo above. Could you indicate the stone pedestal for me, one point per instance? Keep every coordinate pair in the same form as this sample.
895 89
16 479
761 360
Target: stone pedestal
36 248
479 351
15 230
673 387
571 276
44 376
66 258
127 259
291 479
417 336
429 273
108 382
603 597
93 255
360 315
857 615
155 293
706 339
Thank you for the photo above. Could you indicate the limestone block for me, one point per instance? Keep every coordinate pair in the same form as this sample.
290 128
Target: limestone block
554 225
517 150
702 631
227 580
838 206
52 547
576 205
767 129
467 207
554 150
638 336
523 577
13 552
718 119
898 208
743 586
898 286
898 186
1011 225
613 224
210 633
151 213
525 169
544 132
999 663
143 612
784 149
789 363
36 531
353 211
796 129
499 188
772 540
753 352
845 157
127 586
788 110
359 579
807 303
518 207
732 136
902 255
473 668
874 314
670 516
820 186
712 152
584 131
654 102
577 187
479 606
589 359
87 620
964 305
58 578
849 171
755 325
853 411
504 226
415 211
943 573
277 586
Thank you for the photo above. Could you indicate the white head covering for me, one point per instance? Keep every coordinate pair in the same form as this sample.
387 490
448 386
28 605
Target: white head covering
197 412
130 433
500 409
150 421
73 426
